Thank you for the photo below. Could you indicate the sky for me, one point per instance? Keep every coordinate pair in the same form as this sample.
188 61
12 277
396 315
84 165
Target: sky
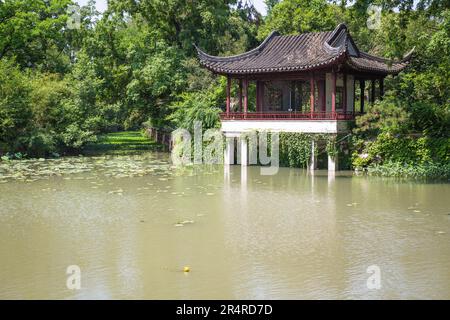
101 5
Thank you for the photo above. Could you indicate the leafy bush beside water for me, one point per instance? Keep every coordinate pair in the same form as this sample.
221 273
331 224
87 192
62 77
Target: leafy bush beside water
389 141
395 169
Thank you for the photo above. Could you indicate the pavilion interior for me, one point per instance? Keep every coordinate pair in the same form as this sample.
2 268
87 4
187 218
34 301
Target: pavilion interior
279 95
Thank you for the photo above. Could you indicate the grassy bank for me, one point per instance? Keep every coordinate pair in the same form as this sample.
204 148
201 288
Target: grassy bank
126 142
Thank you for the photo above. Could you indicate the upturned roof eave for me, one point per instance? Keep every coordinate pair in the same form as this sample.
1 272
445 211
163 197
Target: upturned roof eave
338 59
204 56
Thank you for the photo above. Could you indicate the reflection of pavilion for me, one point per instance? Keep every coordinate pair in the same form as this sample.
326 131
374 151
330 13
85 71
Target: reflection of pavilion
301 83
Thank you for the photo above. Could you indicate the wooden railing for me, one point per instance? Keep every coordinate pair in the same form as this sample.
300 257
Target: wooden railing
288 115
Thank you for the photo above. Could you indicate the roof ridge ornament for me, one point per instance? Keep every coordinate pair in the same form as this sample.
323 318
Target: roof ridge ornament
338 41
407 57
336 32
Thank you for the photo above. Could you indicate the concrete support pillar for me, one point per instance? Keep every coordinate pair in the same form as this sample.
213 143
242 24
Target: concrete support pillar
313 161
332 163
244 152
229 151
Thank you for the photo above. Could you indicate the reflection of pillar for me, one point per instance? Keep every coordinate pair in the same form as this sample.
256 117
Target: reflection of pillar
331 177
313 161
244 152
226 174
244 181
229 151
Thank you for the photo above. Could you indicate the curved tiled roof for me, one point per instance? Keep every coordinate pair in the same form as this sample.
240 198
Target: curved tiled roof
301 52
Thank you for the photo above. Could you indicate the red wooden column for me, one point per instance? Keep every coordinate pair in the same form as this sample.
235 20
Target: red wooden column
324 96
362 86
245 96
258 96
344 94
228 94
261 96
240 95
333 94
300 95
311 94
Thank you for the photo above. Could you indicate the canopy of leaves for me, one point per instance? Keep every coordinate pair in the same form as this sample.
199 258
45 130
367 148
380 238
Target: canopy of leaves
60 87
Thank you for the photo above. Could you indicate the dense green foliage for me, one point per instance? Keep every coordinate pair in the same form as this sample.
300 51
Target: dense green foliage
62 87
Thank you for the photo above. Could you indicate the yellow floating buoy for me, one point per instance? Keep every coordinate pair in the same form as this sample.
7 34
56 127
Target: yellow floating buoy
186 269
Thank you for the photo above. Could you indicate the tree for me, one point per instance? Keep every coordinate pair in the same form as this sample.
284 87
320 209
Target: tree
34 32
180 22
270 4
300 16
15 110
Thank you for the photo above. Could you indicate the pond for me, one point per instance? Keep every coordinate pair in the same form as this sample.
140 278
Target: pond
133 223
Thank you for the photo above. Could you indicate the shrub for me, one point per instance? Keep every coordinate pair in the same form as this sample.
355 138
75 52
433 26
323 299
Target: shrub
431 170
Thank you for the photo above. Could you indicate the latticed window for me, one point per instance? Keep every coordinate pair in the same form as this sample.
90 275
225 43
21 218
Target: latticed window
339 98
273 98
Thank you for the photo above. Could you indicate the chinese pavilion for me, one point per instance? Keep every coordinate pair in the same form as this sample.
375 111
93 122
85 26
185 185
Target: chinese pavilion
300 83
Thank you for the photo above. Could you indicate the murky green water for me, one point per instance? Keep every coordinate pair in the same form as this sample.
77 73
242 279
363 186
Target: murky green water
132 223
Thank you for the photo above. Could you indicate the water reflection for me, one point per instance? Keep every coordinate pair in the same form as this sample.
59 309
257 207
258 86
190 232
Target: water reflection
132 224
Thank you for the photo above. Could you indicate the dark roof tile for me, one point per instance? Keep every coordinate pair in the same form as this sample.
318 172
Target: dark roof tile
301 52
